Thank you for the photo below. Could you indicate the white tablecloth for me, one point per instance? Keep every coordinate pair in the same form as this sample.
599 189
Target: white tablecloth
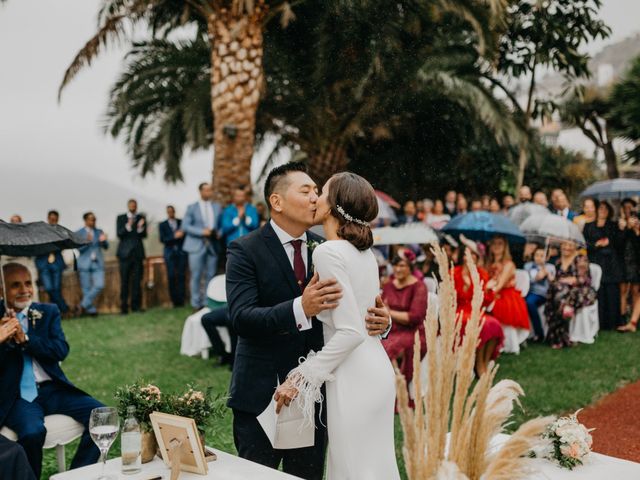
597 467
226 467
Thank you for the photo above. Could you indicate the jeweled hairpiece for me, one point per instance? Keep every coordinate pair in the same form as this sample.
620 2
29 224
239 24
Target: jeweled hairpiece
349 218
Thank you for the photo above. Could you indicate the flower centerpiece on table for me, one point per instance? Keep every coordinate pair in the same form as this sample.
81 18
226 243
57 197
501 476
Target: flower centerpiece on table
570 441
146 397
200 405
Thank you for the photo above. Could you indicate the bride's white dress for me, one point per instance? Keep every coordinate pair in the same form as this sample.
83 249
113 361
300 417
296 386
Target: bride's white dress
360 387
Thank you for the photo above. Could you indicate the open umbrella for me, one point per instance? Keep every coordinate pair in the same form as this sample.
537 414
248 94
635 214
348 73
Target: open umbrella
31 239
522 211
616 188
551 228
385 197
411 233
482 226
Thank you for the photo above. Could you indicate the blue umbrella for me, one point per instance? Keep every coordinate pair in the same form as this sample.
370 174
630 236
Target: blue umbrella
482 226
616 188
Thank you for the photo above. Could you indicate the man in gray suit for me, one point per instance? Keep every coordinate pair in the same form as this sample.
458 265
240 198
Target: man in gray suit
91 264
201 224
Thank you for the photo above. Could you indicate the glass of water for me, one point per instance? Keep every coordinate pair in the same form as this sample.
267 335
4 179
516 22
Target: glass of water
104 424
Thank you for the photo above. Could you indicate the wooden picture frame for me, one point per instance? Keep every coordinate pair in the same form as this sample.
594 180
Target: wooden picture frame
179 436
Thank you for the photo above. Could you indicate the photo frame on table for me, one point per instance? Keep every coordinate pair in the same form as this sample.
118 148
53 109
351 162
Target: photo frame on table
179 436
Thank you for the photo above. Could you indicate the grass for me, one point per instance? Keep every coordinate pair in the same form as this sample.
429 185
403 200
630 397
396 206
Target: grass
109 351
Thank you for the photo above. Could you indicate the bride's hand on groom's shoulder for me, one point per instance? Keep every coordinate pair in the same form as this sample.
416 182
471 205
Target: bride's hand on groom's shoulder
284 395
379 318
319 296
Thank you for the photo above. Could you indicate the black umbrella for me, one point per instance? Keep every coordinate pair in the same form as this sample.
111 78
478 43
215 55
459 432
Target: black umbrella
36 238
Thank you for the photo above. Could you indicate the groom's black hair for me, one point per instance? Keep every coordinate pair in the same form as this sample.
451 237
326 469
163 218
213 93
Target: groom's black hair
277 175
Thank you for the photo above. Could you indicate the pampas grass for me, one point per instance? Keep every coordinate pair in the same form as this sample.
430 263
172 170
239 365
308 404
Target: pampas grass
474 413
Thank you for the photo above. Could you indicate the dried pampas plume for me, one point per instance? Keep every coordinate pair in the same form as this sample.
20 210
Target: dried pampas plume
447 400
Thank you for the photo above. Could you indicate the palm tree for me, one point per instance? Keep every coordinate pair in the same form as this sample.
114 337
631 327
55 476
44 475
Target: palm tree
625 109
234 32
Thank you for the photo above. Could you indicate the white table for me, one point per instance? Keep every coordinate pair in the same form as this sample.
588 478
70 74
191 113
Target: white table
597 467
226 467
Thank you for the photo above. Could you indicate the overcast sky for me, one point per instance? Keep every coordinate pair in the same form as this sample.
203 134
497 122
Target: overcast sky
38 136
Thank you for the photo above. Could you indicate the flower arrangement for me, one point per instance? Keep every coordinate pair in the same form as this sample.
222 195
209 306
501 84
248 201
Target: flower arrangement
200 405
146 397
570 441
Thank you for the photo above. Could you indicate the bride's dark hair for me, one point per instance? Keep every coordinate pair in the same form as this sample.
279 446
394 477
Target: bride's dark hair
353 202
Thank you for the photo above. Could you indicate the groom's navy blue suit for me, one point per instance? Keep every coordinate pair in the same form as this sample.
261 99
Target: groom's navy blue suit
261 288
48 346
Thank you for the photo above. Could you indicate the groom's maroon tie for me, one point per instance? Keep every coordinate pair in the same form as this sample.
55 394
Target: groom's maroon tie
299 269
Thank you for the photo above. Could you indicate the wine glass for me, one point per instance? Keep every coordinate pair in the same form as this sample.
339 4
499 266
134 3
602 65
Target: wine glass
104 424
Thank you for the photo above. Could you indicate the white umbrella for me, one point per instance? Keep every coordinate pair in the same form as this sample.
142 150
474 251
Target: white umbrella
407 234
551 228
385 211
522 211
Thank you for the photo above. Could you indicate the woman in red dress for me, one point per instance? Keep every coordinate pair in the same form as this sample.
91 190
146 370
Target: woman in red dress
509 308
491 334
406 298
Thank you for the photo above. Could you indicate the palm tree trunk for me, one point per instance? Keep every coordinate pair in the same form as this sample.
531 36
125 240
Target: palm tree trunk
326 161
611 161
236 84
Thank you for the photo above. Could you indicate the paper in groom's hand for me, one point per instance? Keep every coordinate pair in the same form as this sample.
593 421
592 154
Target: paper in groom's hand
286 430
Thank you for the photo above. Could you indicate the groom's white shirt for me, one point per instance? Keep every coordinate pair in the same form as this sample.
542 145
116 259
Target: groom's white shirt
302 321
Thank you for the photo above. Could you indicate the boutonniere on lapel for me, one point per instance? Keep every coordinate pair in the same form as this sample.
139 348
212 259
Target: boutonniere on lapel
311 246
34 315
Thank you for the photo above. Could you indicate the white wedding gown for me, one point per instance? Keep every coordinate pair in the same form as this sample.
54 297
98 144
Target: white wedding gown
359 378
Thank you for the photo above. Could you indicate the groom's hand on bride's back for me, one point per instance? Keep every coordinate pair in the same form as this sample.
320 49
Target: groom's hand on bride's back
378 319
319 296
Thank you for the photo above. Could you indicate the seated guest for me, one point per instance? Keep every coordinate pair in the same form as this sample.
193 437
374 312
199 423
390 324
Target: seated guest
605 242
219 317
509 306
438 219
13 461
406 298
32 383
491 334
91 263
570 290
540 274
240 217
409 214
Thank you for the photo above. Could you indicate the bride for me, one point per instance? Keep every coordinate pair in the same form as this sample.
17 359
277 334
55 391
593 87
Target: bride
359 378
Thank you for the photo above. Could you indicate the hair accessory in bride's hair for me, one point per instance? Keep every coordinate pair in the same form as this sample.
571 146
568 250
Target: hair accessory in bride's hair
349 218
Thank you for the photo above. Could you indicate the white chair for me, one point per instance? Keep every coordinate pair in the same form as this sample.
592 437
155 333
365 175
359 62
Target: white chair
523 282
586 324
61 430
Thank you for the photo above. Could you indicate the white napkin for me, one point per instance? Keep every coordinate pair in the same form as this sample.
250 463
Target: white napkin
286 430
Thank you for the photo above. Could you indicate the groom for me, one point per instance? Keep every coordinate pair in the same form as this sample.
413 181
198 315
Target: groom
273 297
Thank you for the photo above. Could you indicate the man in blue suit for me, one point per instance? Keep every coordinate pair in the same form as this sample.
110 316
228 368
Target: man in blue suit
32 384
172 236
201 225
91 263
50 268
239 218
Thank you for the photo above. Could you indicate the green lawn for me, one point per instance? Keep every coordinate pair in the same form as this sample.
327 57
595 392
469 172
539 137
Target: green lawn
109 351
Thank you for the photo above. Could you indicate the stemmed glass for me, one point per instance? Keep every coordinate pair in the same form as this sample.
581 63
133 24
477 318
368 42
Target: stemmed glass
104 424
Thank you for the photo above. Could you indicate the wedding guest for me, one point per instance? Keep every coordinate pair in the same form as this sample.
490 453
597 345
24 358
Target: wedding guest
239 218
26 261
15 218
524 194
202 227
438 218
486 202
588 215
507 202
604 245
91 264
420 214
540 198
509 306
462 206
476 205
406 298
219 317
13 461
427 209
540 274
449 204
263 213
494 205
32 383
630 285
491 335
560 205
409 214
172 237
50 268
569 291
132 229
